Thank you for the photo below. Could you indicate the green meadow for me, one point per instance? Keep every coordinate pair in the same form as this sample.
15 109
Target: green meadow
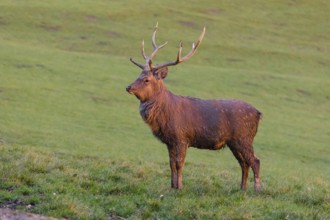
72 142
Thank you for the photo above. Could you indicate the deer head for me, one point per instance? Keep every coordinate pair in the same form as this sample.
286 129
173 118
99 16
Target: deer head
150 81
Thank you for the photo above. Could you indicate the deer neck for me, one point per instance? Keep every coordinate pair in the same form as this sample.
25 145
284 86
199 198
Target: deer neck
155 105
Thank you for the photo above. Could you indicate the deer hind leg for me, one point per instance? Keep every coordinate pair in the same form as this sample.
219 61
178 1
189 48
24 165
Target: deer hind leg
246 158
253 162
245 173
256 169
244 167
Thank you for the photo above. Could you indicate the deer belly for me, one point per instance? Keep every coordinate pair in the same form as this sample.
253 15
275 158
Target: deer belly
209 145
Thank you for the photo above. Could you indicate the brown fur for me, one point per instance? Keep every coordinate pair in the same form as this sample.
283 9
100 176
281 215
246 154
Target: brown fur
181 122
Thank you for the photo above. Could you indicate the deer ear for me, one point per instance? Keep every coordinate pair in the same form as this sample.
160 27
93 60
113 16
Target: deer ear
160 73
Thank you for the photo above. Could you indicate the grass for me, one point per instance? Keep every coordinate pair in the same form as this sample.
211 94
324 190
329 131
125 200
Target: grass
87 187
73 144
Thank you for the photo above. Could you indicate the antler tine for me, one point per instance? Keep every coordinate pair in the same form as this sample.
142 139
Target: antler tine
142 51
139 65
148 59
156 48
190 54
178 58
153 39
194 48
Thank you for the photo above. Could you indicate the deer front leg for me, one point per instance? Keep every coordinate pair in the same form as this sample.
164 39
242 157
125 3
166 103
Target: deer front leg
174 173
177 155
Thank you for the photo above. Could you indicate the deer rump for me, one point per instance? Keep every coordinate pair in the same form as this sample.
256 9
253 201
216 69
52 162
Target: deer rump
204 124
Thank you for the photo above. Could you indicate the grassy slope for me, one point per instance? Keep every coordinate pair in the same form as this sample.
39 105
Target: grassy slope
74 145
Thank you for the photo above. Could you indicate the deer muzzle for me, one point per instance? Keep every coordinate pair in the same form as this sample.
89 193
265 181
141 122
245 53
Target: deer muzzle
129 89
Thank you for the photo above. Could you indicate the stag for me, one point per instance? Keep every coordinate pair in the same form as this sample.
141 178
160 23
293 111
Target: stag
181 122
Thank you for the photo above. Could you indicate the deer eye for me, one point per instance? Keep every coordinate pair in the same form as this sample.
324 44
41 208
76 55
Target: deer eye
146 80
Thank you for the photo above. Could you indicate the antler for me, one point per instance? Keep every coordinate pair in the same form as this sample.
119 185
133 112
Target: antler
153 54
180 59
156 48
